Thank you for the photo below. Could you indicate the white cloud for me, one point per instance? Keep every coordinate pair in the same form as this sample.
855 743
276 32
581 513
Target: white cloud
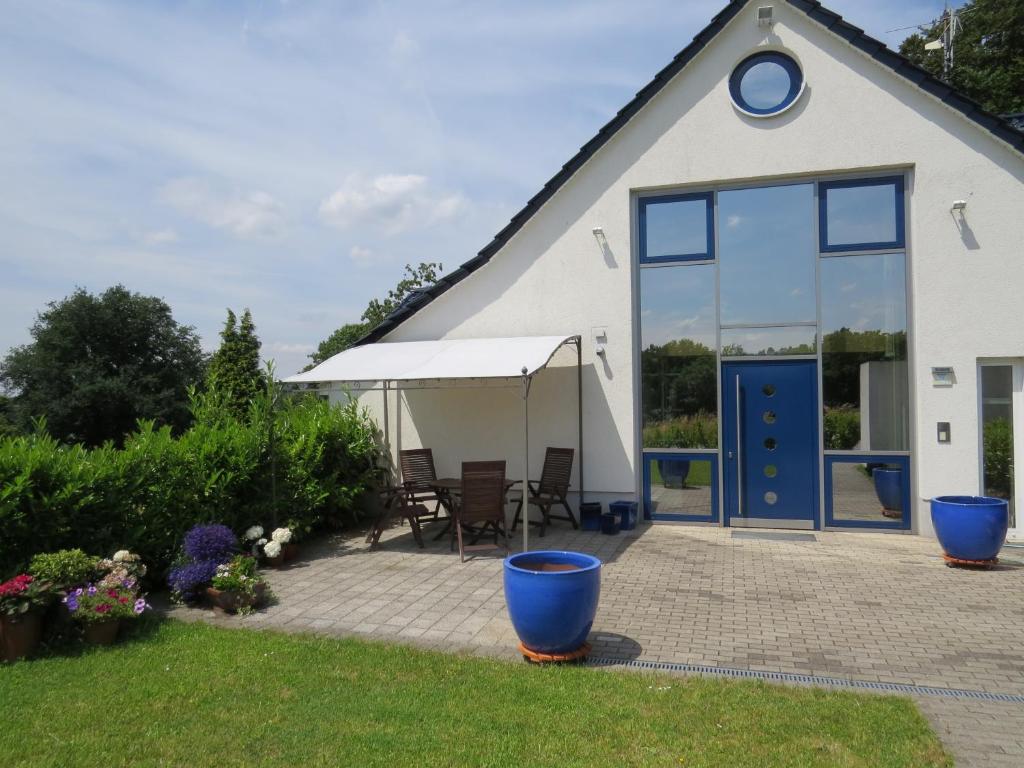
403 45
362 256
392 203
246 215
290 348
733 221
160 237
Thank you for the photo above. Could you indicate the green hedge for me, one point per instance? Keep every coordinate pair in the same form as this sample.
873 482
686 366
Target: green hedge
315 459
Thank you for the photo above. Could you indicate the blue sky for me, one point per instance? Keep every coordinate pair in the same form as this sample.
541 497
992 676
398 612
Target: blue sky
291 157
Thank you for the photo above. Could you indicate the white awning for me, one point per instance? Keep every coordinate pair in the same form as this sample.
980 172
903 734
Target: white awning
441 359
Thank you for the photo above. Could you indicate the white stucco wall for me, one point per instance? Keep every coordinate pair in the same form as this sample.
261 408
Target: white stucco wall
553 277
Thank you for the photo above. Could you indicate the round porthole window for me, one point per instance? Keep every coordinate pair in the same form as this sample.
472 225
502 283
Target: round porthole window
766 83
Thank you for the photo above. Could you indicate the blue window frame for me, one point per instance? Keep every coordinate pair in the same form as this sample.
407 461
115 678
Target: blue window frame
677 228
766 83
861 217
881 492
705 457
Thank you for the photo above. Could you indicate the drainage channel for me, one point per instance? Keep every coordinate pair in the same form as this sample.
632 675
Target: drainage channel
819 680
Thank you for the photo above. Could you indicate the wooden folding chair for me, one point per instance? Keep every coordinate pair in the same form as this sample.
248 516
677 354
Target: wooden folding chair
417 475
551 490
396 503
480 506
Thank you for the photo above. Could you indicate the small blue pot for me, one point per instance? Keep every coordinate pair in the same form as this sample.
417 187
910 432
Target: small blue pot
673 472
970 527
889 488
552 610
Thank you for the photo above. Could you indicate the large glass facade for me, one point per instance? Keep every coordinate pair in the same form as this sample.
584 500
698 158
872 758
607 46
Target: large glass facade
813 270
997 434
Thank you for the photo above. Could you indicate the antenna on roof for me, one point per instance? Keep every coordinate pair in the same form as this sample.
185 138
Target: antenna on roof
951 25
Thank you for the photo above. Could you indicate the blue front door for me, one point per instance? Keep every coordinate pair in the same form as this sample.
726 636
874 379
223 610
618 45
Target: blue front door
770 435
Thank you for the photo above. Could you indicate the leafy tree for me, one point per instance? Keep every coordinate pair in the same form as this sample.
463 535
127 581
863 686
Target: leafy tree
376 311
988 63
235 367
7 427
97 364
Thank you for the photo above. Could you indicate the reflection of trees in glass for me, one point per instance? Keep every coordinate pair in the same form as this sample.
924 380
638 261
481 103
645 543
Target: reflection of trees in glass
738 350
843 353
679 397
998 442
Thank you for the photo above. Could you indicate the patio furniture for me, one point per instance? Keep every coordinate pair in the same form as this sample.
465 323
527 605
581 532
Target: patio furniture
397 503
418 476
480 505
551 490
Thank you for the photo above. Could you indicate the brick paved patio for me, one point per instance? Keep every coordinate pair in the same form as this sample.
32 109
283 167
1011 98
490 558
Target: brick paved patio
851 605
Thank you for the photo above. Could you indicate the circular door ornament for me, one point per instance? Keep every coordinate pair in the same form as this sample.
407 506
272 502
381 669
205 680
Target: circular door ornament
766 83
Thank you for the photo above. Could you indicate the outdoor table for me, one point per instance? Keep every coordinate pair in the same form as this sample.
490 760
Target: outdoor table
446 488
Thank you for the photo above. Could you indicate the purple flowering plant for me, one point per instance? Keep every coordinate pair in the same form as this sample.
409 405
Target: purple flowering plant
92 604
210 542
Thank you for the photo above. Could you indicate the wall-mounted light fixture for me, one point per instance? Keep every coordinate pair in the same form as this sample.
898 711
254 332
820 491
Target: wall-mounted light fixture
959 206
764 16
942 376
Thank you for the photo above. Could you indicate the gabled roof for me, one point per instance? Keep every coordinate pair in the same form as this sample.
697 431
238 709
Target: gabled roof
902 66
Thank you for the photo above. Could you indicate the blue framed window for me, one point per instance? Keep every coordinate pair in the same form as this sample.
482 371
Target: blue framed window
861 214
867 491
677 228
681 487
766 83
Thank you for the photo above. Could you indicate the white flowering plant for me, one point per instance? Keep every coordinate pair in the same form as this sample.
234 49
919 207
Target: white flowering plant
282 535
272 549
253 533
238 575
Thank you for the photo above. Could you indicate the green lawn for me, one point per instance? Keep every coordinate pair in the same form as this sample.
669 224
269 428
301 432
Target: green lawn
194 695
699 475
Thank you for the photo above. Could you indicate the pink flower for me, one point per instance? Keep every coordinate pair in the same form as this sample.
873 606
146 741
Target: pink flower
102 608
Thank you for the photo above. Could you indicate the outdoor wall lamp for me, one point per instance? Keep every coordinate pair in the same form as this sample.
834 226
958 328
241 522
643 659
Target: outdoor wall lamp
959 206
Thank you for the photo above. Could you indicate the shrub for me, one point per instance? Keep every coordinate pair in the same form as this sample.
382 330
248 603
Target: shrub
64 569
210 542
697 431
842 428
998 442
147 495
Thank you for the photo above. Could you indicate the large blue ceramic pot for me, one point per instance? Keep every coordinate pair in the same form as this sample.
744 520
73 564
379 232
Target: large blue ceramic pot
889 488
970 527
673 472
552 598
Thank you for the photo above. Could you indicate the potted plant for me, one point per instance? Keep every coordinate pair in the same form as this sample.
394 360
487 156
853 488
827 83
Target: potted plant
673 472
254 540
552 599
101 608
237 586
970 528
204 548
22 601
889 489
280 549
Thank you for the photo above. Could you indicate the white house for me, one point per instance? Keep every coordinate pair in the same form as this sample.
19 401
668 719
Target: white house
795 262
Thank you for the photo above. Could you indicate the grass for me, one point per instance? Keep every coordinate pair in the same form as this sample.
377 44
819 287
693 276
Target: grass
196 695
699 475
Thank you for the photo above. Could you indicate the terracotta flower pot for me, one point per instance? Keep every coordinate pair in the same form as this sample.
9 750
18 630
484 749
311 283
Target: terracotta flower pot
102 632
276 562
290 552
19 635
232 602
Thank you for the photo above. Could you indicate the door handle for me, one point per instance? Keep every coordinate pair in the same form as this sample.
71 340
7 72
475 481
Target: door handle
739 450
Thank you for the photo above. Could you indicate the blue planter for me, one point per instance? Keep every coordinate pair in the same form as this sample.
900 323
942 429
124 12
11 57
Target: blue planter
970 527
889 488
590 516
673 472
552 598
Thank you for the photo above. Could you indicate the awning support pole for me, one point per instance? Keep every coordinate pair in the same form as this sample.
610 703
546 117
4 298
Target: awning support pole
387 438
579 400
526 460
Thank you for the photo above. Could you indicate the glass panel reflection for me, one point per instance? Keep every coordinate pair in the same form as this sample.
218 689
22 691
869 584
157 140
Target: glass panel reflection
787 340
675 228
677 360
861 215
869 492
681 486
997 433
767 254
864 353
765 85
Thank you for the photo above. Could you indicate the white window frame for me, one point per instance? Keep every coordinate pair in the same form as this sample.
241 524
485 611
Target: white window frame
1017 416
